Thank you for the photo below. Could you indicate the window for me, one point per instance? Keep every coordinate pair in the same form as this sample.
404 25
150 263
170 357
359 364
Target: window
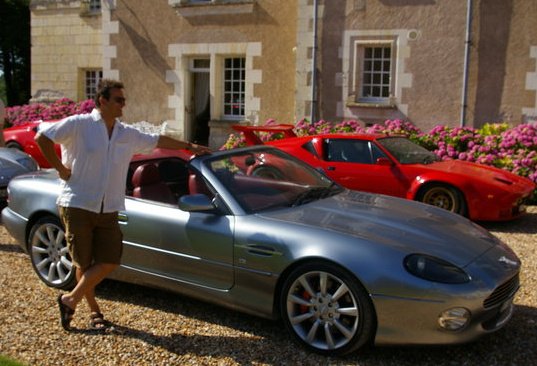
374 72
234 81
94 6
351 151
91 83
196 8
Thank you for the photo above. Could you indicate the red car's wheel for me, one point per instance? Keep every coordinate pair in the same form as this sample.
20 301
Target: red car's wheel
443 196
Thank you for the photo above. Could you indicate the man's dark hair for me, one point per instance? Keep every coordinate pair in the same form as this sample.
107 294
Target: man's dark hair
103 90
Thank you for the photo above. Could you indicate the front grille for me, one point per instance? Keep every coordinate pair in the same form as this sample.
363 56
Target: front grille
502 293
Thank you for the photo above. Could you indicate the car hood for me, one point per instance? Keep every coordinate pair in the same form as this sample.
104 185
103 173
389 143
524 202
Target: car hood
14 162
478 171
407 226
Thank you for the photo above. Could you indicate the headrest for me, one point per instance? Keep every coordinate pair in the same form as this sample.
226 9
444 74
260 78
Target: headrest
145 174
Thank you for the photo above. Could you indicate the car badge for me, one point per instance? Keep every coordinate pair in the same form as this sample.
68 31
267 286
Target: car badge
508 262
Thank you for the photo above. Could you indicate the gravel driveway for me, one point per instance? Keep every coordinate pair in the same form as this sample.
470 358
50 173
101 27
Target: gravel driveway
158 328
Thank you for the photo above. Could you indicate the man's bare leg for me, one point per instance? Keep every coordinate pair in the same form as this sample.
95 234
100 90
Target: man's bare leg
85 287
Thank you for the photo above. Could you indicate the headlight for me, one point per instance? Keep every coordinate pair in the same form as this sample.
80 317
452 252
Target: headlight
434 269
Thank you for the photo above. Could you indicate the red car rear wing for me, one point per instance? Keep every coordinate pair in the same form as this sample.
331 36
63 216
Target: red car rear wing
252 138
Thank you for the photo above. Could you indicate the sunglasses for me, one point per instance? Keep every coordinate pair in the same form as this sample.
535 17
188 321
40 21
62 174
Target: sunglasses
119 100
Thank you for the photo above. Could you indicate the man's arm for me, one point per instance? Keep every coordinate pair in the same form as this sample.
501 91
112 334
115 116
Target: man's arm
166 142
47 148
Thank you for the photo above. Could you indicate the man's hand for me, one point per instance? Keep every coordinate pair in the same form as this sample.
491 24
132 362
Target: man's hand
198 149
166 142
64 173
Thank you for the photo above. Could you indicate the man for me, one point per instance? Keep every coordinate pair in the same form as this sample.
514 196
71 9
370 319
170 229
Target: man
96 151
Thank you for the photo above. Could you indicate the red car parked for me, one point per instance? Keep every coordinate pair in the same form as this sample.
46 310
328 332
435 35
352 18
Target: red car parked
395 166
22 137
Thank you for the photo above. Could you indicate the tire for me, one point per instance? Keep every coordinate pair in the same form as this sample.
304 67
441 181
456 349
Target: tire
327 310
49 254
443 196
267 171
14 145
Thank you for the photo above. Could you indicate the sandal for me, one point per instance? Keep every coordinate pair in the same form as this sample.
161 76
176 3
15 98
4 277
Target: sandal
97 321
66 314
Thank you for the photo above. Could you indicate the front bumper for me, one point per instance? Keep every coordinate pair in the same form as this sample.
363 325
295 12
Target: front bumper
16 226
488 299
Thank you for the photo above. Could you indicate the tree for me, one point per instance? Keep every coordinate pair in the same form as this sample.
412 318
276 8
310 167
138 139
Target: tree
15 50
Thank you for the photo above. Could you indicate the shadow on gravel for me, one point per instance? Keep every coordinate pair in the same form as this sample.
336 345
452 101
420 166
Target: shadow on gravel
526 224
514 344
11 248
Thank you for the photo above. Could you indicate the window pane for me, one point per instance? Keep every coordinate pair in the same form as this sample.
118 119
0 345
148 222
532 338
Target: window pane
377 66
376 79
378 52
202 63
375 92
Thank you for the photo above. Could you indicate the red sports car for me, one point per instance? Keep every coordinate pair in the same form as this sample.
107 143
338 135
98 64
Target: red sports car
395 166
22 137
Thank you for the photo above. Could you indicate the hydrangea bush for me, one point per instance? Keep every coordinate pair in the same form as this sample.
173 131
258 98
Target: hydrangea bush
41 112
513 149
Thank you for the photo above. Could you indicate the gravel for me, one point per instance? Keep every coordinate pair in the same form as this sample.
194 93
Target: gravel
153 327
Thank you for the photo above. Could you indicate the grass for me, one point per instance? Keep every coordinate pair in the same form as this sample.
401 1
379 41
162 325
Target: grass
5 361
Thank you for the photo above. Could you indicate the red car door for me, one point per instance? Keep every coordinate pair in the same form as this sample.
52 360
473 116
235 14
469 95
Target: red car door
361 165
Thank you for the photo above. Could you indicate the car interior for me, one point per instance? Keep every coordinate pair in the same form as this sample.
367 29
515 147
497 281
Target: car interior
164 180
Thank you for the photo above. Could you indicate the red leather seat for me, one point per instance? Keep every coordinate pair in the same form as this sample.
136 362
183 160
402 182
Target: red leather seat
197 185
148 185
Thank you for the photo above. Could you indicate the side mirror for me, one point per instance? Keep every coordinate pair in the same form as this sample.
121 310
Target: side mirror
195 202
384 161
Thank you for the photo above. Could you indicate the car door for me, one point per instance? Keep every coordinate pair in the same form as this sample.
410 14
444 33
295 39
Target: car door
161 240
354 164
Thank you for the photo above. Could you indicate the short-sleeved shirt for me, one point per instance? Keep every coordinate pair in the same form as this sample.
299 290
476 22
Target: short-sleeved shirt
98 163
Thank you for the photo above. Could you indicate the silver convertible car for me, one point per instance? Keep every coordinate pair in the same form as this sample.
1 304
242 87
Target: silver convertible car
342 269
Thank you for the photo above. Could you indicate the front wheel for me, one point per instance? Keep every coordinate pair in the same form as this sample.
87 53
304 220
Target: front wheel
49 254
327 310
443 196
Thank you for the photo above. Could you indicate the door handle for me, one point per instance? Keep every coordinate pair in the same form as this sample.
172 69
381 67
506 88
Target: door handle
122 217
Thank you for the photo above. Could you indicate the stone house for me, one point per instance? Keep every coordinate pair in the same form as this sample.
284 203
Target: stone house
203 65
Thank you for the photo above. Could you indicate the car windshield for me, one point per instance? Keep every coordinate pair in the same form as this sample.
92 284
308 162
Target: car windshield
407 152
268 179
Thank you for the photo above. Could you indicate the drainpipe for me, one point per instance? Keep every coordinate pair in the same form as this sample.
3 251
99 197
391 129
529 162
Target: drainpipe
466 61
314 66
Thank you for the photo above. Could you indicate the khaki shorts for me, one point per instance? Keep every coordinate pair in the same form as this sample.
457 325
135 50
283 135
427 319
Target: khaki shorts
92 237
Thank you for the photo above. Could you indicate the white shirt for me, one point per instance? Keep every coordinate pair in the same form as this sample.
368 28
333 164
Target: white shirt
98 164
